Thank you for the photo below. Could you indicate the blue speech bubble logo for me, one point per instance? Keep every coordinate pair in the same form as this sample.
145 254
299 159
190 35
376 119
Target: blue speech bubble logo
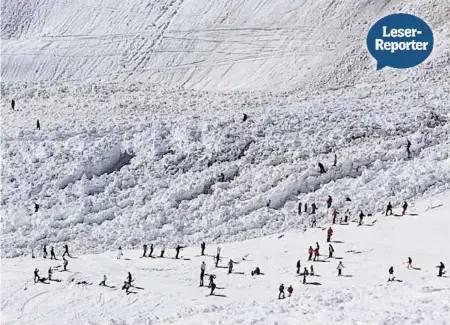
400 41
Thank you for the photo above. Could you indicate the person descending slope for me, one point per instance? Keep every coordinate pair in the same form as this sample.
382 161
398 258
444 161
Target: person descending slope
212 285
310 252
177 249
129 278
329 201
257 271
203 247
281 293
211 280
52 254
36 276
339 268
391 274
66 251
321 168
330 250
329 234
290 290
202 273
103 283
410 263
298 267
389 209
441 268
405 206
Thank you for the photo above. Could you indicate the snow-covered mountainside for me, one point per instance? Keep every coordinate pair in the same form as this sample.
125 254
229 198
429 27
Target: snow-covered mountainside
204 44
166 290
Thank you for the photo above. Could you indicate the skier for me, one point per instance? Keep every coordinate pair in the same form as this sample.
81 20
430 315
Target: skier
391 274
314 222
119 255
410 263
103 283
13 104
52 254
217 258
213 287
50 272
129 278
65 263
329 234
389 209
310 252
202 273
145 250
163 249
211 280
405 206
151 251
290 290
126 286
66 251
316 254
245 117
312 270
306 207
335 213
314 208
305 274
335 160
408 148
36 276
347 213
441 268
36 207
257 271
329 201
281 292
38 125
230 265
339 268
203 247
322 168
299 208
45 251
361 216
178 248
331 251
347 199
298 267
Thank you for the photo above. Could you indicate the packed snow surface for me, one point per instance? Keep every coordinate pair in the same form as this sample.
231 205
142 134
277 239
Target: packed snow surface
169 291
215 45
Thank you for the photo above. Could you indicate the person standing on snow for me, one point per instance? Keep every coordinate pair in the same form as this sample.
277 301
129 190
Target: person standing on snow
217 257
298 267
202 273
129 278
212 286
331 251
203 247
409 263
103 283
13 104
177 249
322 168
45 251
305 274
151 251
335 213
290 290
316 254
66 251
441 268
310 252
408 148
38 125
36 276
391 274
230 265
145 251
329 201
313 222
163 249
65 263
339 268
299 208
52 254
405 206
335 160
306 207
257 271
361 216
347 214
314 208
281 293
50 272
312 270
211 280
389 209
119 255
329 234
245 117
36 207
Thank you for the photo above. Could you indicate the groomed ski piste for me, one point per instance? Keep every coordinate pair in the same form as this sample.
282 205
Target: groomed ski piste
168 289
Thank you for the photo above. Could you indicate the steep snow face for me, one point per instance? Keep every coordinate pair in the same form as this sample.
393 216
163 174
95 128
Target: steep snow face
203 44
115 166
171 292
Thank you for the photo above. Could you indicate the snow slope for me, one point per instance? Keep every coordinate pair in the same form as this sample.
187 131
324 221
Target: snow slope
171 294
203 44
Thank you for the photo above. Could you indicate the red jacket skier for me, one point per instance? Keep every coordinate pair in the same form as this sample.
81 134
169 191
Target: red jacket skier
316 254
310 252
329 234
290 290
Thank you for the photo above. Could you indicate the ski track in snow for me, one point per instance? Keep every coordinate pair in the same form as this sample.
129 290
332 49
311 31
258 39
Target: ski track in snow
172 296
